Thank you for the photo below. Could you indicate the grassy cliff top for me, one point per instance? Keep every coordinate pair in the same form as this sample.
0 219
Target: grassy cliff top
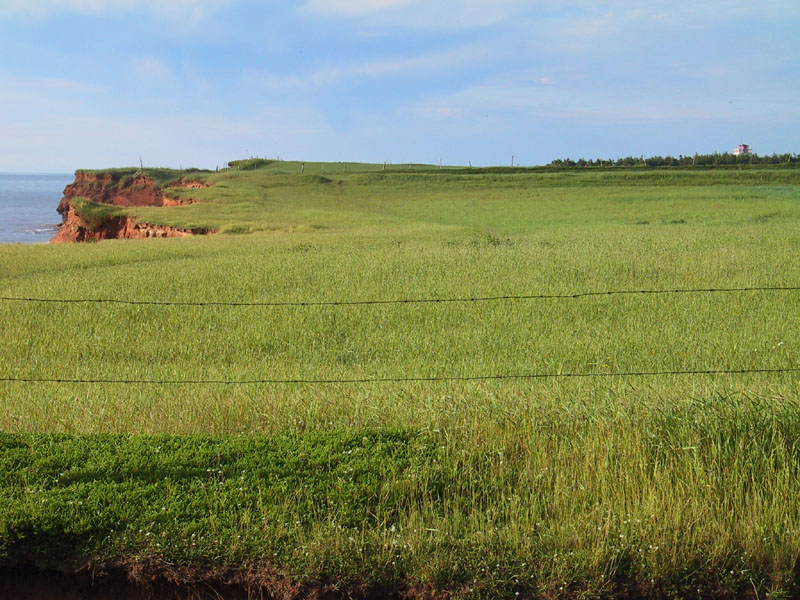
268 195
161 177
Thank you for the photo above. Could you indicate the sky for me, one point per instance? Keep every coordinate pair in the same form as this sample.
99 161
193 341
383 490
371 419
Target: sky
179 83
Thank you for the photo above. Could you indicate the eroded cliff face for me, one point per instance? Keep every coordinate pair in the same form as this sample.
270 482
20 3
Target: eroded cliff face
75 229
136 191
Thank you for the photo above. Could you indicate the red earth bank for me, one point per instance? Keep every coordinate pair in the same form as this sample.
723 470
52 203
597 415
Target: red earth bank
138 191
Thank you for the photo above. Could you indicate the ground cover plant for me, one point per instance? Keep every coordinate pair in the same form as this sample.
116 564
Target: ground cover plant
93 213
671 485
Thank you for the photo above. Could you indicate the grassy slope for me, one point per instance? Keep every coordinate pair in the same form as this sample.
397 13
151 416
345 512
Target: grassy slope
93 213
686 481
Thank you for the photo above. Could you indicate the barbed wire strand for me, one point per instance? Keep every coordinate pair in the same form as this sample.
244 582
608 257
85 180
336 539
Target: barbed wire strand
399 379
397 301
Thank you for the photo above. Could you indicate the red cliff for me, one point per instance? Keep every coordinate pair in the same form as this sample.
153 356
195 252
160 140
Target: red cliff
75 229
126 191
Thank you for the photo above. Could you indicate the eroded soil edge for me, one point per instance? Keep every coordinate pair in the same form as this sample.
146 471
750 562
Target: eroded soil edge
138 190
163 582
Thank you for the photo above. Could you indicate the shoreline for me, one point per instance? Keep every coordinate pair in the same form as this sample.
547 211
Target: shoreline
28 202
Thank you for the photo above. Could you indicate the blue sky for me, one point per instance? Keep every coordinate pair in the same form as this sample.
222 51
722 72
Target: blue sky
97 83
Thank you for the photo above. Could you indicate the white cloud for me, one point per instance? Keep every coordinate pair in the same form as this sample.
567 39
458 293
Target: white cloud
587 18
21 96
422 65
192 9
539 97
65 143
416 14
54 84
353 7
152 70
595 20
583 17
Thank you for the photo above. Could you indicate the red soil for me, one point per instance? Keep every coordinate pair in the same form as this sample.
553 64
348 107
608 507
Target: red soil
163 582
74 229
139 191
189 185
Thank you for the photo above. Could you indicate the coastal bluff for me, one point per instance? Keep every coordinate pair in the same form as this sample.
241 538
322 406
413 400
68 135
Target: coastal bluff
89 205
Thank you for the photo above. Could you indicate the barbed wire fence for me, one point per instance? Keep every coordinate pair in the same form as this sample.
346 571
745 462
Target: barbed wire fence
405 379
568 375
443 300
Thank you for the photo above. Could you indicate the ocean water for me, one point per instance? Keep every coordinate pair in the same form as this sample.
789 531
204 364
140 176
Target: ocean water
28 204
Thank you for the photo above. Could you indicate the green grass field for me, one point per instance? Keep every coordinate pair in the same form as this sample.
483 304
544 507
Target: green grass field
672 485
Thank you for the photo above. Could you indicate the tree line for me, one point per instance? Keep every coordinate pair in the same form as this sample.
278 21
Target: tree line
701 160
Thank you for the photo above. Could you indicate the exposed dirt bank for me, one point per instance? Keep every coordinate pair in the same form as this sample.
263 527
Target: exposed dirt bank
190 184
138 190
162 581
100 187
28 582
75 229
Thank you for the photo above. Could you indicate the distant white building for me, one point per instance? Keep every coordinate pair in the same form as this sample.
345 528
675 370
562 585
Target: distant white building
742 149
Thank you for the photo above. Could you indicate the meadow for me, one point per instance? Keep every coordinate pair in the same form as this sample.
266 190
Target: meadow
679 485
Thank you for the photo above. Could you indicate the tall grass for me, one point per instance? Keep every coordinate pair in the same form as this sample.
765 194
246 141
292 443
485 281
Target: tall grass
681 485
